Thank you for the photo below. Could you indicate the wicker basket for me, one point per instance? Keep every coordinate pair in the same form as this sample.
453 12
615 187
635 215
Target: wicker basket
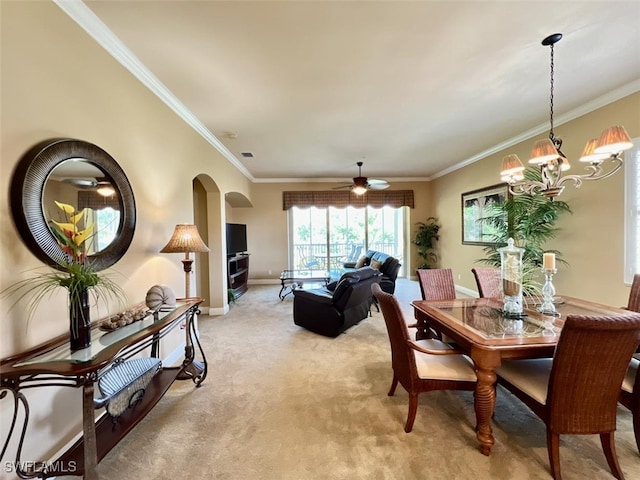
123 385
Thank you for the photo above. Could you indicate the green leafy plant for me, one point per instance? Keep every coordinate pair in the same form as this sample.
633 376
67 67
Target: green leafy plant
231 296
76 274
426 238
531 222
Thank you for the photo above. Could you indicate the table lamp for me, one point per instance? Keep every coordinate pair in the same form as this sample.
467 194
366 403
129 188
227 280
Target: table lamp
185 239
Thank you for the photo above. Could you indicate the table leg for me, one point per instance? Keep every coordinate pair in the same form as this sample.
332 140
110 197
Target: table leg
485 397
89 432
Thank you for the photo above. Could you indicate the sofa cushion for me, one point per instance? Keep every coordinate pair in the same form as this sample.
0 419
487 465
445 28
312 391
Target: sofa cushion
375 264
361 262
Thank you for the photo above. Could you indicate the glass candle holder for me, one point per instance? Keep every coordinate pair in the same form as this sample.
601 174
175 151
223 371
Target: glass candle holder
548 291
511 284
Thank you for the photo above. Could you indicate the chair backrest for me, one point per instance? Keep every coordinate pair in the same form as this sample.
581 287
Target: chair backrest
402 357
590 362
354 254
634 294
488 281
436 283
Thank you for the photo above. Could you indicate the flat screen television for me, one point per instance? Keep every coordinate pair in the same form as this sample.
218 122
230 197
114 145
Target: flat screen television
236 238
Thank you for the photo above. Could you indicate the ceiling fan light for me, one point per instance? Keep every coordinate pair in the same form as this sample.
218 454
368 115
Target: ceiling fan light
589 155
543 151
613 140
106 190
359 190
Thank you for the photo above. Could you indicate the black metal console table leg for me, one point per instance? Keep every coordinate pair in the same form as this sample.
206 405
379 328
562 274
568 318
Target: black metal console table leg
191 368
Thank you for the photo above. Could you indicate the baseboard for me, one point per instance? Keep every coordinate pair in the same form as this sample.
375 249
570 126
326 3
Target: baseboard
467 292
264 281
175 357
217 311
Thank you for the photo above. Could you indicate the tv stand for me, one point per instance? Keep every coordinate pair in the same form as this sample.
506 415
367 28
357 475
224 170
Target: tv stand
238 273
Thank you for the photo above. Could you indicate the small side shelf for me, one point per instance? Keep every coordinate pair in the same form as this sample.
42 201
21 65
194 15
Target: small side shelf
238 273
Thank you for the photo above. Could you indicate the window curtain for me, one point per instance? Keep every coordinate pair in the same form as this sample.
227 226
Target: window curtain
93 200
324 199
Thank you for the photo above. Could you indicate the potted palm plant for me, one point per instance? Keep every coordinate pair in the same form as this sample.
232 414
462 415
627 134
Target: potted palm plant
426 238
531 221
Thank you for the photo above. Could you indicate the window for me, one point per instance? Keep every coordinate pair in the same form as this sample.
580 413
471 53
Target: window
632 212
325 238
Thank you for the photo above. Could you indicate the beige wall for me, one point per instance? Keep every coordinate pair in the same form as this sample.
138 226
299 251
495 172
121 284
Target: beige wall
591 239
58 82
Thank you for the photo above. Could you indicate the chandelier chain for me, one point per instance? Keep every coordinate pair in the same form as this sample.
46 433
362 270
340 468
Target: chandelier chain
551 134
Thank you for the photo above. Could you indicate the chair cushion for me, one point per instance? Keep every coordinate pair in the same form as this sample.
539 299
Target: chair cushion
443 367
630 377
530 375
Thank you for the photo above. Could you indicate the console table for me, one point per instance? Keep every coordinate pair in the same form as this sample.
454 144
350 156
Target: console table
53 364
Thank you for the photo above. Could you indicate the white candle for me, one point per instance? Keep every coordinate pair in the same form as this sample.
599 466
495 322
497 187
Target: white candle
549 261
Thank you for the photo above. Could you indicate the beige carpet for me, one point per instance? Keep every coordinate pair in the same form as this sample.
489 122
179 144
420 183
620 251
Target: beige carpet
283 403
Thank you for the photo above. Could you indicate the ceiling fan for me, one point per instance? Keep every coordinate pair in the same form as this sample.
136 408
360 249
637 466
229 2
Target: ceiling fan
361 184
101 185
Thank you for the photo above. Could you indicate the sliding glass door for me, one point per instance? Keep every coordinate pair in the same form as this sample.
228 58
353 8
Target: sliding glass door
326 238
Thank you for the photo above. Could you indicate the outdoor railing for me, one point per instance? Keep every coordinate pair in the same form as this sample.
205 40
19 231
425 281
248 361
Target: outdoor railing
316 257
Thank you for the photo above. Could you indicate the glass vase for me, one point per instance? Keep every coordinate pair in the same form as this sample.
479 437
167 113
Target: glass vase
79 321
511 285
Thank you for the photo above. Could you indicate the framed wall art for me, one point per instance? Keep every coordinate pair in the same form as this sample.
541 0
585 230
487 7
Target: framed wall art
479 204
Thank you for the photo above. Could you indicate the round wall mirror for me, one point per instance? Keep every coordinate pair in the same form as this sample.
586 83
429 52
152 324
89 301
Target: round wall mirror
60 172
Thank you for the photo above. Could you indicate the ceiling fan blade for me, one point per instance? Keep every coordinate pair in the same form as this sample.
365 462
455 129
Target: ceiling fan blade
343 186
376 184
81 182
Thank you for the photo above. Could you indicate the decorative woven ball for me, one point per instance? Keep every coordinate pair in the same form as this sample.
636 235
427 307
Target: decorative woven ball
160 295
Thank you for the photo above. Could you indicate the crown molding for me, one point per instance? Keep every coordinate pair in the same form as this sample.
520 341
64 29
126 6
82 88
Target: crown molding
588 107
91 24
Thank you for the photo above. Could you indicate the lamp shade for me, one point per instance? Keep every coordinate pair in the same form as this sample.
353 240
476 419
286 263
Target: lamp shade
185 239
614 140
589 154
511 164
543 151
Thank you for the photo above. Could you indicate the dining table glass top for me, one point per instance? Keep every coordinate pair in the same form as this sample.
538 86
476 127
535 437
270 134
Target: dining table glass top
482 318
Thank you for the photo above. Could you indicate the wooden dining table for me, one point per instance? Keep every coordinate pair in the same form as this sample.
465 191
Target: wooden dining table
478 327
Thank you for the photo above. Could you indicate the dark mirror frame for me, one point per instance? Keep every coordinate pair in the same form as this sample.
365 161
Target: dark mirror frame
27 187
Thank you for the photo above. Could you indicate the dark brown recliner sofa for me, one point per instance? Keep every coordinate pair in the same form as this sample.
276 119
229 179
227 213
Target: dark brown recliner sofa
389 267
331 310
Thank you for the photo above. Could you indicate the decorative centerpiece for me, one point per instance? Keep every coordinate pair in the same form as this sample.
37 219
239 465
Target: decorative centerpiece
75 274
511 271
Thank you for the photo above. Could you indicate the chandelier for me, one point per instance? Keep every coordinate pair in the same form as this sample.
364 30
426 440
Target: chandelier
600 155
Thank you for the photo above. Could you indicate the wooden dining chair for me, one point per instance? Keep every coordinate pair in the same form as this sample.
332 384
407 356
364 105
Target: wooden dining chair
577 391
487 281
435 284
634 294
424 365
630 394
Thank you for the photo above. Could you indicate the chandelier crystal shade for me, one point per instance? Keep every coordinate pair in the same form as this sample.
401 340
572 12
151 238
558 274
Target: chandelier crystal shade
602 155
